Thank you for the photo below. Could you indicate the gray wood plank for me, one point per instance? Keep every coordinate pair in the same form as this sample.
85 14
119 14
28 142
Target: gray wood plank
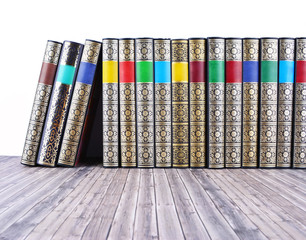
145 222
169 226
283 176
191 223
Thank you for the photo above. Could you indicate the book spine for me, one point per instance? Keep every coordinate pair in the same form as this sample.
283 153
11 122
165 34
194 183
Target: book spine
127 102
233 106
197 53
250 102
215 103
163 114
145 102
299 150
180 103
41 102
110 106
79 104
285 102
59 103
268 102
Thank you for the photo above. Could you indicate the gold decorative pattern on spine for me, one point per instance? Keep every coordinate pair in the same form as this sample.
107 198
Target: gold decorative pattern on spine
110 50
52 52
179 50
286 49
126 50
162 49
197 50
269 49
250 49
91 52
144 49
301 49
38 115
233 50
70 53
216 49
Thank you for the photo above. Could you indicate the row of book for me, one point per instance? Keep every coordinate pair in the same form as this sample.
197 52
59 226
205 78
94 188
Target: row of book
215 102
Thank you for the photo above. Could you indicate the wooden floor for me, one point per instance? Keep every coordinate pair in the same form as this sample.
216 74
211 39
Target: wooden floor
91 202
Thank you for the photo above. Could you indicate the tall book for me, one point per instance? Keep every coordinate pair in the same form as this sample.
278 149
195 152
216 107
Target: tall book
268 102
110 100
233 106
299 149
79 104
59 103
145 102
285 101
41 102
215 106
197 58
127 102
180 103
250 102
163 114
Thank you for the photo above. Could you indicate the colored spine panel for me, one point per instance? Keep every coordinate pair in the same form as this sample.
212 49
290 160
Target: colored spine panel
110 98
250 102
268 102
162 70
299 149
59 104
285 101
215 103
197 95
233 106
79 104
180 112
41 102
127 102
145 102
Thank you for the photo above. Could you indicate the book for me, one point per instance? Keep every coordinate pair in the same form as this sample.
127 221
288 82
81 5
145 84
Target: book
110 105
250 102
163 114
233 106
197 61
79 104
145 102
268 102
180 103
299 148
41 102
215 105
127 102
59 103
285 101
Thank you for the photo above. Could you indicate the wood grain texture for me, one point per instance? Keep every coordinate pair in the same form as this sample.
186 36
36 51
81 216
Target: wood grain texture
91 202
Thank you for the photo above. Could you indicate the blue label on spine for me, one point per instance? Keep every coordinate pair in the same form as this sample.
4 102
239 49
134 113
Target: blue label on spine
250 71
286 71
86 73
162 72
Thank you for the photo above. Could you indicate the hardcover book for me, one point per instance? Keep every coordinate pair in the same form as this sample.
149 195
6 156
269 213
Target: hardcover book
163 114
233 106
41 102
127 102
299 149
180 103
250 101
268 102
215 103
59 104
197 53
79 104
285 101
110 103
145 102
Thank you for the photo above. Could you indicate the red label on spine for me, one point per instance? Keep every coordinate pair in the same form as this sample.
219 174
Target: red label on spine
301 71
234 72
47 73
127 72
197 71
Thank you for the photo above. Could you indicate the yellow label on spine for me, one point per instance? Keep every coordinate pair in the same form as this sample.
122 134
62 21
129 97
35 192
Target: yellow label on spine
110 72
180 71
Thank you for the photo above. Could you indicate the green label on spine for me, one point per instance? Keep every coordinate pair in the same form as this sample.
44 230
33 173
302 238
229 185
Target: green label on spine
144 71
216 71
269 71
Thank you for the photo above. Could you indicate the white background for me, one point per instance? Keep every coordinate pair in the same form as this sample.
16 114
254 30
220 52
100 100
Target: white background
27 25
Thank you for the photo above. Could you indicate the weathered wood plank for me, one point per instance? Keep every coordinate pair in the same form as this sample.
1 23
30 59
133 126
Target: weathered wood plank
191 223
145 222
169 226
283 176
